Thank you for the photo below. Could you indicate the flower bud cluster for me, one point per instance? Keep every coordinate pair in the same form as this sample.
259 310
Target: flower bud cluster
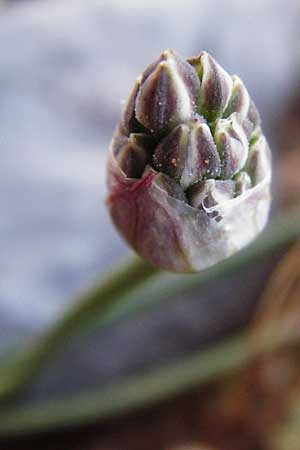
191 133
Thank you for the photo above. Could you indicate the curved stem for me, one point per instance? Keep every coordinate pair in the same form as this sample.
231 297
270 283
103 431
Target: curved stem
118 296
278 234
97 300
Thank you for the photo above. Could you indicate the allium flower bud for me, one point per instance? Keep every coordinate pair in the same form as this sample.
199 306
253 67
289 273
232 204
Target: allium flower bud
189 169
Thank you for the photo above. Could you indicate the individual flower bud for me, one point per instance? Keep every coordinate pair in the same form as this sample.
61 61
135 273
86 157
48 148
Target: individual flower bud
216 86
133 154
240 99
253 115
171 153
189 170
258 162
129 123
231 137
167 94
203 160
242 182
188 153
241 103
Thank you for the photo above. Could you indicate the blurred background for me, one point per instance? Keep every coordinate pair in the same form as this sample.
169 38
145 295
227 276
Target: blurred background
65 68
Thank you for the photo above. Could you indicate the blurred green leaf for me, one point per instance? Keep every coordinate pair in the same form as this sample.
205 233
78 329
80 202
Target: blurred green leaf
143 390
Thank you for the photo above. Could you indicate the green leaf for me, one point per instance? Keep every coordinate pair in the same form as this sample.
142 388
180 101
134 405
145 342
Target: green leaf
143 390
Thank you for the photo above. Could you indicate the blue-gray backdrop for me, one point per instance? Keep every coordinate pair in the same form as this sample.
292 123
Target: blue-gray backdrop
65 67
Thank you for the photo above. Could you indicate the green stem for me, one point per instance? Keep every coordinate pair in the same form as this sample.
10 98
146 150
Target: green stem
131 289
278 234
95 301
140 391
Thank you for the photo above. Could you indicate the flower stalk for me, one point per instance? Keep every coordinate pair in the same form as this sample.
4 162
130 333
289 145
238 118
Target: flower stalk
26 363
129 290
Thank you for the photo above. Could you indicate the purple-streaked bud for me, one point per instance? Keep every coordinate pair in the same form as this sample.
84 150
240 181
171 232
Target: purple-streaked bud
189 170
188 153
231 137
203 160
240 99
216 86
133 153
128 123
241 103
167 95
242 183
253 115
258 162
171 153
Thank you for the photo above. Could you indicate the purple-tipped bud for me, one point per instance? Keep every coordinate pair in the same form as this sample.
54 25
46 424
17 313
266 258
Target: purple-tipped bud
167 95
188 154
171 153
259 159
189 170
133 154
240 99
129 123
203 160
253 115
216 86
231 137
242 183
241 103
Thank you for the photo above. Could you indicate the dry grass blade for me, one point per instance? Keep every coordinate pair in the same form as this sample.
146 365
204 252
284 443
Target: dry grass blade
278 313
287 172
192 447
261 404
287 434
